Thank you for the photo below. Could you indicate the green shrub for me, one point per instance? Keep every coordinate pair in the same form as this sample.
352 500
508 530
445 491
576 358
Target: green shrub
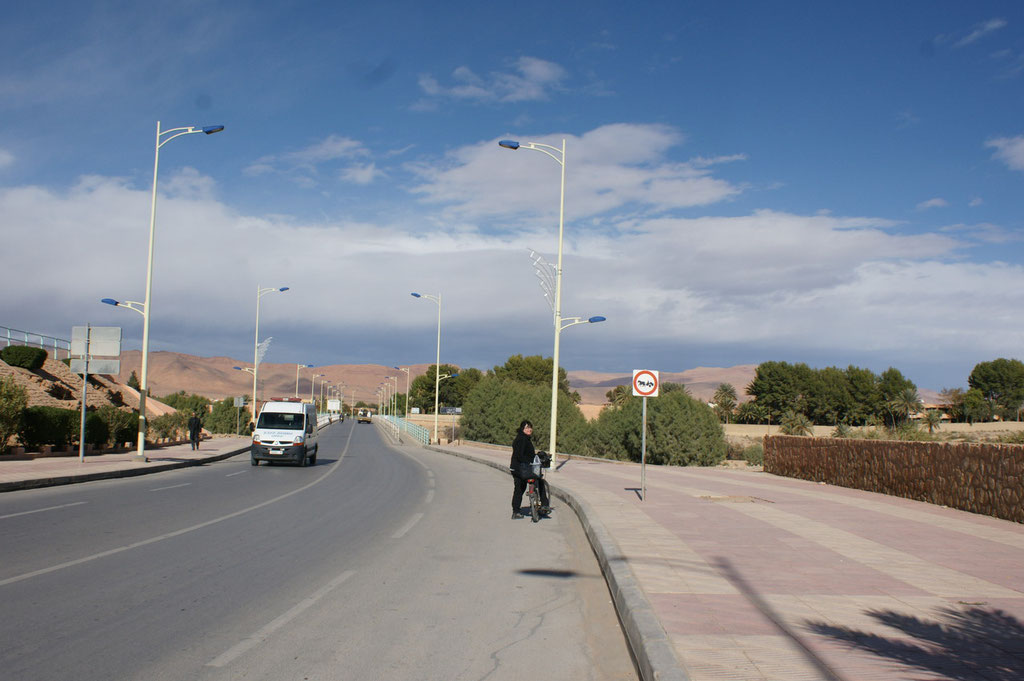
24 356
169 425
48 426
97 433
13 400
754 455
122 426
681 431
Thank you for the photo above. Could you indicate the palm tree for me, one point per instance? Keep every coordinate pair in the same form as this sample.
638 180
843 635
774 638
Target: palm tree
906 402
932 418
619 396
795 423
725 401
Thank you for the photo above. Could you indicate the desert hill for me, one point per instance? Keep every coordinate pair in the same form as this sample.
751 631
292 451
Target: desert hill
216 377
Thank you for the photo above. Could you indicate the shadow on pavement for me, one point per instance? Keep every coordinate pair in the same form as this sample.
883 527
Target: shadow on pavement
736 579
563 574
971 644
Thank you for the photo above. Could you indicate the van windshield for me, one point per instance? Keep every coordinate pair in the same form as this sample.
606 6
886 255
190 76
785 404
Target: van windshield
281 421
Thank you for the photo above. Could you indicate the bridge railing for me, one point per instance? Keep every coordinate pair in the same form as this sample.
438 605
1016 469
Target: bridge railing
59 348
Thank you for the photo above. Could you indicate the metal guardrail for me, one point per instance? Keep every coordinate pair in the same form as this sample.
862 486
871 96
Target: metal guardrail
11 336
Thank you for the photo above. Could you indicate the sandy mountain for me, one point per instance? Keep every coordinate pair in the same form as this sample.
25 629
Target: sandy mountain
216 378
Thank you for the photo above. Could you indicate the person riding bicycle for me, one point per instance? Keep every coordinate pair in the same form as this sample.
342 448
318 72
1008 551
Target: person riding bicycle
523 455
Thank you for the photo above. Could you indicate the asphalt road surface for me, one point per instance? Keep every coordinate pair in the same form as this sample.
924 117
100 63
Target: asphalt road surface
380 562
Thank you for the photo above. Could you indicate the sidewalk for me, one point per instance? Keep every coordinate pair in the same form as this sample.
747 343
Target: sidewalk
726 574
64 470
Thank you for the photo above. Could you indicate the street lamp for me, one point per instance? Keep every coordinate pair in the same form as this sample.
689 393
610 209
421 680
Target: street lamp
559 156
312 385
406 370
162 138
297 367
437 366
260 292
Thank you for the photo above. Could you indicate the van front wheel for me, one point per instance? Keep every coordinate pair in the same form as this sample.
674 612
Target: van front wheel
302 459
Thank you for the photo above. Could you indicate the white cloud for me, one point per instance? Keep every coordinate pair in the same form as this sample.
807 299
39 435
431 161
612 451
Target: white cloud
361 174
980 31
304 164
619 167
932 203
975 202
530 79
1009 150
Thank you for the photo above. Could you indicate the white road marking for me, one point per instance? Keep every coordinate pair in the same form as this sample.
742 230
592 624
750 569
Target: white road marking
40 510
176 533
408 526
160 489
263 634
430 496
238 473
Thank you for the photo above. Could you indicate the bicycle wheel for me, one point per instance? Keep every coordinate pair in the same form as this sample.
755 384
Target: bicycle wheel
534 502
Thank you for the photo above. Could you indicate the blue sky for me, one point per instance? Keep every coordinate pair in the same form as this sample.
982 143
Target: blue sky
746 181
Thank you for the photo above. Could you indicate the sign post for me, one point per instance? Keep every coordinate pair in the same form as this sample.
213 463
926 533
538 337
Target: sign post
645 384
87 342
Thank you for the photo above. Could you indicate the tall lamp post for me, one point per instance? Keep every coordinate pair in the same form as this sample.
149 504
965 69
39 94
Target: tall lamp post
406 370
162 138
559 156
260 292
437 366
312 386
297 367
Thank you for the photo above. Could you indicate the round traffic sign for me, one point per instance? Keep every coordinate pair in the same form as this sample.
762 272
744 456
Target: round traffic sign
645 383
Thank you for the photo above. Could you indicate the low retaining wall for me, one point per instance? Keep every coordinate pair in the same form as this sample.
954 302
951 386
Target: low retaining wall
980 478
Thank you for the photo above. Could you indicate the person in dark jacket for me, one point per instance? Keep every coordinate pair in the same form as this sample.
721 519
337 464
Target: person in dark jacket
195 427
522 460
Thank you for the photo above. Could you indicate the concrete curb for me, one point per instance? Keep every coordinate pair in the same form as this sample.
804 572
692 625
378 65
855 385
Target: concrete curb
116 473
653 651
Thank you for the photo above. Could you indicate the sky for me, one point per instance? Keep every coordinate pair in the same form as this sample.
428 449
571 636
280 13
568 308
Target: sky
829 183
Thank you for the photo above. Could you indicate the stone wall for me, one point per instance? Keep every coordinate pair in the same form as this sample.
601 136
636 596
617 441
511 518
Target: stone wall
980 478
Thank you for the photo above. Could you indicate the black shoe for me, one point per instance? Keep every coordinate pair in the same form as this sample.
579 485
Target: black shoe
516 515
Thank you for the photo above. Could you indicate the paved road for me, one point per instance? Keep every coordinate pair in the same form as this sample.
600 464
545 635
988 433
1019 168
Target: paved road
377 563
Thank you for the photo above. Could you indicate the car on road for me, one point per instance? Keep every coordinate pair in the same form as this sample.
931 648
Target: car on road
285 431
364 416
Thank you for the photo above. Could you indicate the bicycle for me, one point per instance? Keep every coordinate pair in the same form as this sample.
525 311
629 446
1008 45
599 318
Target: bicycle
541 460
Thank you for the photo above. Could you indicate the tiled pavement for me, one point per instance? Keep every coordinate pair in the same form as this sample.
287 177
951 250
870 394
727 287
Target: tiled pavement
757 577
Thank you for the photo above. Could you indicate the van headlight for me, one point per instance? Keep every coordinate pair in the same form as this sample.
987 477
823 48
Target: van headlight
256 439
298 440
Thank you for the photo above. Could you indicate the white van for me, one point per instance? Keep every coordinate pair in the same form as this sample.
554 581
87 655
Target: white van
285 431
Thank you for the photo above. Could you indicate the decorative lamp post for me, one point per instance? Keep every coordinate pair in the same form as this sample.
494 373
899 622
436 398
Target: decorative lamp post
162 138
260 292
297 367
437 365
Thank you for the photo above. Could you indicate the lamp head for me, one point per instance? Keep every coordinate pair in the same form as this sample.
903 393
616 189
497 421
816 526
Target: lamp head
237 368
210 129
416 295
283 288
509 144
595 320
109 301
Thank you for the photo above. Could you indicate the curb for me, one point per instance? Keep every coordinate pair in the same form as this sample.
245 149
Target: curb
653 651
117 473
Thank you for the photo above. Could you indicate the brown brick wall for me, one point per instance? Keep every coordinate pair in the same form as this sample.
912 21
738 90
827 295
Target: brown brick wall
980 478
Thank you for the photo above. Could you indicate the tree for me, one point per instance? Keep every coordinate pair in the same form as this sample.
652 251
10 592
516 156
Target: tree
906 403
795 423
618 396
976 407
421 392
494 409
775 387
133 381
893 386
865 395
13 401
534 370
725 401
682 431
933 419
1001 383
952 402
187 403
